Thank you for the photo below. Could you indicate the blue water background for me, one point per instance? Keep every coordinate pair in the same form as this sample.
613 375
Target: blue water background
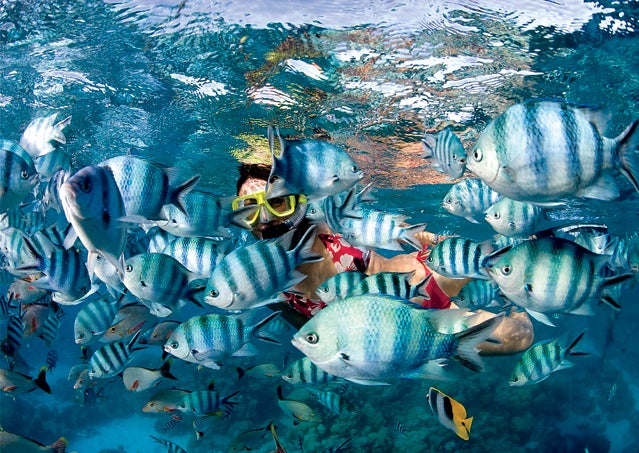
194 83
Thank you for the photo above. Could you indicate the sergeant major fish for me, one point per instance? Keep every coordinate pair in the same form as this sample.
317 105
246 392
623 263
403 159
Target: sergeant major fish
543 359
92 203
445 148
469 197
542 151
314 168
344 339
18 175
513 218
208 339
250 276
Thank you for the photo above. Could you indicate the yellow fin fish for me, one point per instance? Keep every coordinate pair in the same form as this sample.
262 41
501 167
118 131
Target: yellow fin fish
450 413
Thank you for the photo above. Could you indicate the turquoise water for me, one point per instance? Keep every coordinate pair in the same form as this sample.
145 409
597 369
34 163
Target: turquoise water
195 84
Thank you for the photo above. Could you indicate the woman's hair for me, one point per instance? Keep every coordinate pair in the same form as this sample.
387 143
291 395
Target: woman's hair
257 171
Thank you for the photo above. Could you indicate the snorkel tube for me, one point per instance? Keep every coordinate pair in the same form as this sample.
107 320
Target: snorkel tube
273 231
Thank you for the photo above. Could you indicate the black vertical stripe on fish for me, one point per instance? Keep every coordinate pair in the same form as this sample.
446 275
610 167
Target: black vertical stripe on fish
574 166
448 408
535 134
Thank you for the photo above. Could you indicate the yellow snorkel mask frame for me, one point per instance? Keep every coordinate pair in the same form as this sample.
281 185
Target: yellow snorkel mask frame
279 207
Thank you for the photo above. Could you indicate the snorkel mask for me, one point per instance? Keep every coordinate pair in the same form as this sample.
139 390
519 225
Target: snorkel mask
259 208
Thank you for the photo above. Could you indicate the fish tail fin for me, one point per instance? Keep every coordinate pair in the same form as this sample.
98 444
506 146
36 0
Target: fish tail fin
58 135
264 334
177 197
304 249
165 370
628 156
60 445
41 380
229 404
606 297
409 233
467 353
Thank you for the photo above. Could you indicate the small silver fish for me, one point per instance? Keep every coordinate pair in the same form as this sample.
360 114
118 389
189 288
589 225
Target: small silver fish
447 151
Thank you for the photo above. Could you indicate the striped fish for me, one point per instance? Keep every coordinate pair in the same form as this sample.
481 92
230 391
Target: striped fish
338 286
18 175
199 255
543 359
93 319
15 332
171 447
203 216
331 210
92 203
208 402
380 229
65 273
513 218
543 151
250 276
160 282
344 340
111 358
28 222
20 258
146 187
306 372
50 163
333 401
477 294
311 167
170 425
51 326
468 198
399 430
552 275
43 135
447 151
51 195
393 284
52 359
108 274
208 339
457 257
8 305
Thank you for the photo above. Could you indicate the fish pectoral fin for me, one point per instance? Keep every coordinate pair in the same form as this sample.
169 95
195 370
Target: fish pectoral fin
344 357
541 317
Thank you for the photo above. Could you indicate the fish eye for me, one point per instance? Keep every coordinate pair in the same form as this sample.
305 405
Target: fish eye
354 169
24 174
174 345
151 404
430 259
478 155
128 268
85 185
496 215
312 337
112 329
214 293
506 270
80 336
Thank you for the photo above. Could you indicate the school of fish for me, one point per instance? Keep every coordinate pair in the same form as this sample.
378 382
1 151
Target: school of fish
127 243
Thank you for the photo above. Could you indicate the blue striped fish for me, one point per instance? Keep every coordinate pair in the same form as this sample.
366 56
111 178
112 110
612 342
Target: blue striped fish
208 402
513 218
338 286
306 372
399 430
18 175
146 187
171 447
50 327
160 282
15 332
199 255
447 151
43 135
92 203
311 167
543 359
209 339
477 294
250 276
333 401
111 358
391 283
457 257
203 216
380 229
52 359
93 319
51 195
552 275
543 151
468 198
344 339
